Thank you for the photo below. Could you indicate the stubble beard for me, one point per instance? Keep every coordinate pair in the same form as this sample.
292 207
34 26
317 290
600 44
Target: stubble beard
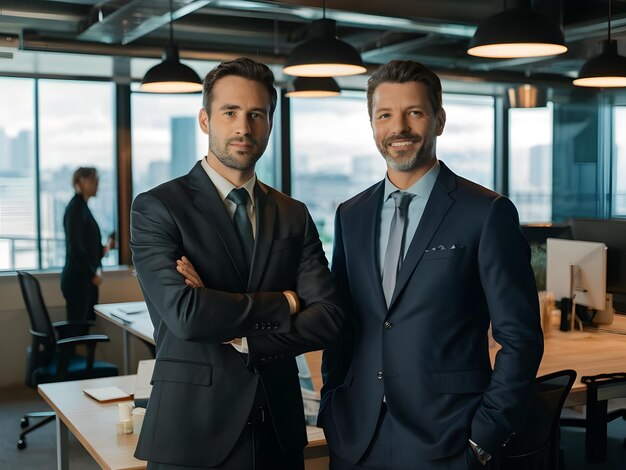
235 159
403 160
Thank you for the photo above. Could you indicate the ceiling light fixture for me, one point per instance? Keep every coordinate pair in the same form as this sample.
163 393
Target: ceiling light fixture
312 87
605 70
324 55
170 76
527 96
517 32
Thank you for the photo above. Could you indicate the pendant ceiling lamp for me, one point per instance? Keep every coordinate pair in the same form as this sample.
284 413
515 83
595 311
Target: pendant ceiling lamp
324 55
607 69
312 87
517 32
170 76
527 96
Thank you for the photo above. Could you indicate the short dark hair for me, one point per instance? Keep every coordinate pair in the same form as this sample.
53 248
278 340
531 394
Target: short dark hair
83 172
242 67
403 71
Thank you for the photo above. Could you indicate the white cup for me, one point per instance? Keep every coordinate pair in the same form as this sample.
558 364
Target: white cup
137 415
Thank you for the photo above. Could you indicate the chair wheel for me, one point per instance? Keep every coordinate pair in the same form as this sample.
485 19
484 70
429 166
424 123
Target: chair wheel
21 444
24 423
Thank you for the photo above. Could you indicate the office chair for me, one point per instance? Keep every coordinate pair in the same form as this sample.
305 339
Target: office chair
600 389
536 445
54 360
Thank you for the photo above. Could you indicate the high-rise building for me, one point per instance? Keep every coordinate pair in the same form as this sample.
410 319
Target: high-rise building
21 151
183 145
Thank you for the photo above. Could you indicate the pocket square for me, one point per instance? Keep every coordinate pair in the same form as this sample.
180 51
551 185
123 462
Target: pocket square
442 248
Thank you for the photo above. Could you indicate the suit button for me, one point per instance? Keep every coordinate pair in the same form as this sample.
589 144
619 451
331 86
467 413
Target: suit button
379 376
388 325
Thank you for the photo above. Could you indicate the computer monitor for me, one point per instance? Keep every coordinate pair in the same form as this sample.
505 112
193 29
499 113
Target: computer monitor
577 269
612 233
539 233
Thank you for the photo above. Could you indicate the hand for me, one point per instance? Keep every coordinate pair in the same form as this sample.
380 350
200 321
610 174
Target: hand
294 301
96 280
236 341
185 267
111 242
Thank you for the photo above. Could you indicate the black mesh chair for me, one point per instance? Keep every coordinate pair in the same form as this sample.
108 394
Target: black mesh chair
54 360
600 389
536 446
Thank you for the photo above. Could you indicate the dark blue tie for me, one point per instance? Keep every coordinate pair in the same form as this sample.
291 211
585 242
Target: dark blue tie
242 222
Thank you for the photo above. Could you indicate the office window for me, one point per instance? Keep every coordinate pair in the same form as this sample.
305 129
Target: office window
467 143
530 163
167 140
619 169
18 217
75 129
333 156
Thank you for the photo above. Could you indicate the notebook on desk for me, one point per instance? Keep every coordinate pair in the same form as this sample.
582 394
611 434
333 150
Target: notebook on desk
107 394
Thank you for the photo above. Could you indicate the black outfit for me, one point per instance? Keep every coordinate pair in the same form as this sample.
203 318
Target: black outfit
201 409
83 255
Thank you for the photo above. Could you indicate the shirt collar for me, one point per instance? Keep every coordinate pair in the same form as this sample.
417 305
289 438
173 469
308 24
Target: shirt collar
421 188
223 186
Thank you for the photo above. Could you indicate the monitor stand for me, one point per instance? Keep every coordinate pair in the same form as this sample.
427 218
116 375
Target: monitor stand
605 317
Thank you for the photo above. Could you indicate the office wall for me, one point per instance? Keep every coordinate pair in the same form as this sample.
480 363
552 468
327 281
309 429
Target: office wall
118 286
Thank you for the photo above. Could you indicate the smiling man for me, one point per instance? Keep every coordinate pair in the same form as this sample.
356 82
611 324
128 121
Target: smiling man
426 260
237 285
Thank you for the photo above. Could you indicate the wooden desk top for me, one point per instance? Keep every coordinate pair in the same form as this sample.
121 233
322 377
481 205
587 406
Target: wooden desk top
602 352
94 424
138 324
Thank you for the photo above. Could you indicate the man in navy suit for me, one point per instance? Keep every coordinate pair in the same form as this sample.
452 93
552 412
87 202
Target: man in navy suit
427 260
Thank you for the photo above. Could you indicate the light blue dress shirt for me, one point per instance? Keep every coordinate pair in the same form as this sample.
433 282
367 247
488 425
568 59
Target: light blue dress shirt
422 189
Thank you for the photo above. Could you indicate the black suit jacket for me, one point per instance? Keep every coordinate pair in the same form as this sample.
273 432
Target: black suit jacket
83 246
203 389
431 360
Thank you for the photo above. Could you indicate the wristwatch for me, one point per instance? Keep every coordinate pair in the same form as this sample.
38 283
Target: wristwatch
481 454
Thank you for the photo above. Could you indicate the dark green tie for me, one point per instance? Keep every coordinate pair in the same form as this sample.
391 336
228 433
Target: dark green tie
242 222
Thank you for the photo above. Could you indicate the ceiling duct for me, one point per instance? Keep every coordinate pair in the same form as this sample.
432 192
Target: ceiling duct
113 24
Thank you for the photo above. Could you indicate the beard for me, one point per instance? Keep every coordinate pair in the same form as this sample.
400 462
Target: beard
235 159
407 160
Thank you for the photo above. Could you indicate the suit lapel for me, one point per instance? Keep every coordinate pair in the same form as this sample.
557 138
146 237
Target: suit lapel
265 217
370 227
209 202
438 205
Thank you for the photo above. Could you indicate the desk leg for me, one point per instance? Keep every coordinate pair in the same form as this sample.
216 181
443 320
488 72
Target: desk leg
63 461
126 350
596 432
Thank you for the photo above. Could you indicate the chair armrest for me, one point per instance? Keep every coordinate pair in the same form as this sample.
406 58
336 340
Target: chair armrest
66 350
86 339
66 329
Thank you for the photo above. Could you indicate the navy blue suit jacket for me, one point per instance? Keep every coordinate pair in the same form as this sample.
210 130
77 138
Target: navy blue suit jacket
467 265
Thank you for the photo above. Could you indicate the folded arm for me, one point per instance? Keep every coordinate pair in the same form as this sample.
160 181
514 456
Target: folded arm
207 315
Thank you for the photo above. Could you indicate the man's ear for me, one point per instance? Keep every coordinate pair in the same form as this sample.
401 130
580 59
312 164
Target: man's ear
203 120
441 121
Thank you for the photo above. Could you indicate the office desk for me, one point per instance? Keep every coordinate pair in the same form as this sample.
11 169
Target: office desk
136 324
603 352
94 425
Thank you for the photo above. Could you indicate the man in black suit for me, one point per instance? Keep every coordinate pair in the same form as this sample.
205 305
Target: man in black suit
428 260
226 392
